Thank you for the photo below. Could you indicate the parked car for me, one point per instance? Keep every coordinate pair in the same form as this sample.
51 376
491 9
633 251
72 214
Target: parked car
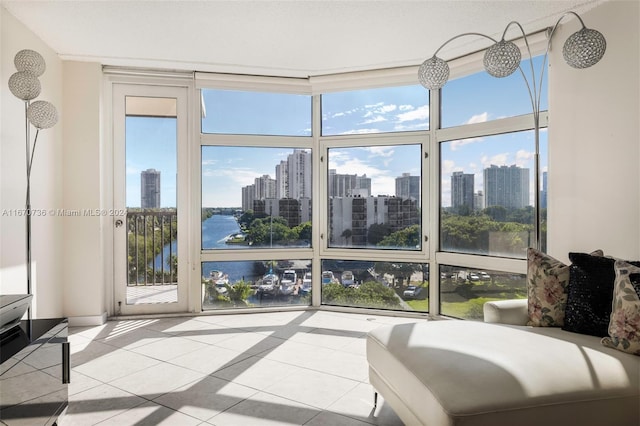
484 276
474 277
412 291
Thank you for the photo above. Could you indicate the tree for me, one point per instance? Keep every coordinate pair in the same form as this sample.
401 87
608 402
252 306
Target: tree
497 213
268 230
406 237
377 232
246 218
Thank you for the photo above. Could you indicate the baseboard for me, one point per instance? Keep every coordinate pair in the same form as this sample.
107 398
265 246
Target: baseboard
88 321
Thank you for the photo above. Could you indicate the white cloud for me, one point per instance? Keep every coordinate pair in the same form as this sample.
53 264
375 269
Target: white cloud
210 162
479 118
374 105
406 107
131 170
386 108
448 167
380 151
420 113
455 145
338 114
496 160
241 177
524 158
376 119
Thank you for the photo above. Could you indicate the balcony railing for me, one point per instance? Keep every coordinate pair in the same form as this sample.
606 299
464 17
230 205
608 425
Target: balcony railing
151 247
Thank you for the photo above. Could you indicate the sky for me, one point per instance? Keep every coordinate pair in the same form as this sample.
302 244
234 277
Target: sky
226 169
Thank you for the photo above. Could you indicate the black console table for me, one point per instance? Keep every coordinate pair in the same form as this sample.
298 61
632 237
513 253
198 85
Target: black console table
35 372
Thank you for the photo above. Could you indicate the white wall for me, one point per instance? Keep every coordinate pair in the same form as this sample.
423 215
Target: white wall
46 178
83 276
594 139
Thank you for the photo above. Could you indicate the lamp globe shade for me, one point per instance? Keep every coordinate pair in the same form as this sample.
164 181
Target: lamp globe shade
30 60
24 85
502 59
584 48
433 73
42 114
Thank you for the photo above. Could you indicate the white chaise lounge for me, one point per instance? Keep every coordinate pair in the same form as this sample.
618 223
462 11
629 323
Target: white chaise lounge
468 373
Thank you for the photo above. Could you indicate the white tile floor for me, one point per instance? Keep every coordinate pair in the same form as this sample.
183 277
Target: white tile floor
284 368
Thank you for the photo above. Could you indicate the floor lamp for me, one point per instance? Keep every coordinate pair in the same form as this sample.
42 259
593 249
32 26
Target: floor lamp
582 49
24 84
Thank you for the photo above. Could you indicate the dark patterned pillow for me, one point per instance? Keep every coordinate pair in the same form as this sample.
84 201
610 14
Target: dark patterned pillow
547 281
590 294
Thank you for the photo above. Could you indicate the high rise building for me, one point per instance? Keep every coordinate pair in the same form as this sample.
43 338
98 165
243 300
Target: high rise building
282 179
408 186
506 186
462 190
150 189
265 187
299 174
341 185
354 216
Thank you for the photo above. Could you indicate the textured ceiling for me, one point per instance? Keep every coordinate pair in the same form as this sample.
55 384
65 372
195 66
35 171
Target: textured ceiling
287 38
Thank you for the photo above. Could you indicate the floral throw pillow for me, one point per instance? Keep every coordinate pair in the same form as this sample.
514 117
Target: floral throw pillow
624 327
547 281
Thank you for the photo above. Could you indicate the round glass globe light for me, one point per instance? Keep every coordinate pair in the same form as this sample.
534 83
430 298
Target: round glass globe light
42 114
433 73
30 60
584 48
24 85
502 59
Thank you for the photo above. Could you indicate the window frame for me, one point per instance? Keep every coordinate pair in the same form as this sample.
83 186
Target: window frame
429 140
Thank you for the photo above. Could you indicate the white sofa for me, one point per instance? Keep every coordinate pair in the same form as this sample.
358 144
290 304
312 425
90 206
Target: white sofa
502 373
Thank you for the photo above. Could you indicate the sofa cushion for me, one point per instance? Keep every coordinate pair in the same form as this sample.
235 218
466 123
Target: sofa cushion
472 374
547 282
590 294
624 326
